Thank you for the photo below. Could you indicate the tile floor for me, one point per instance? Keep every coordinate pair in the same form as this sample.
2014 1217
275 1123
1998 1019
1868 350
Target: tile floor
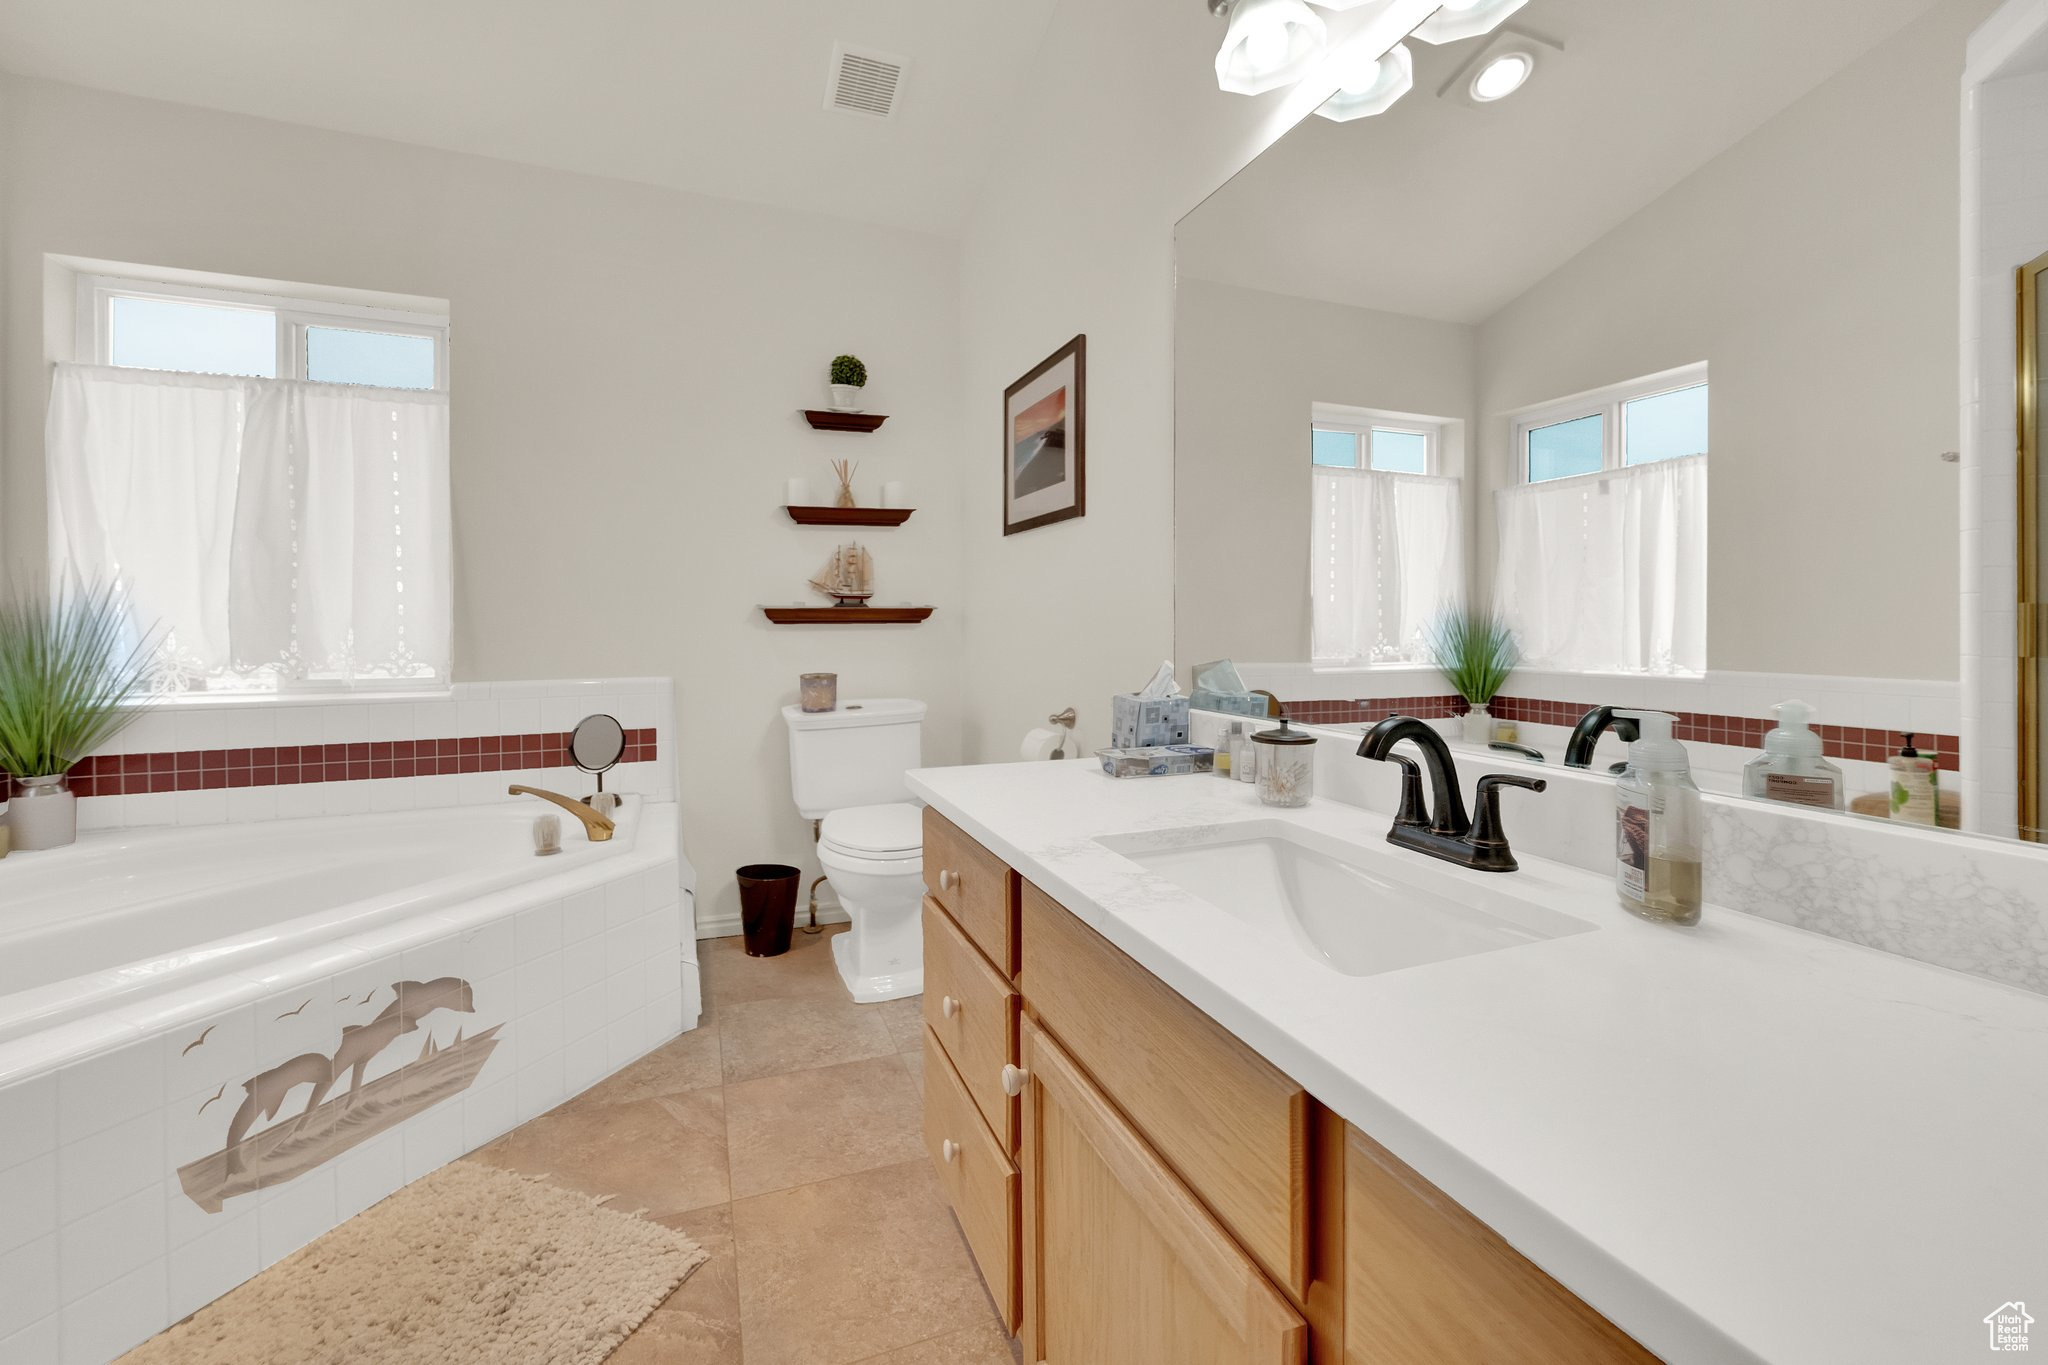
783 1134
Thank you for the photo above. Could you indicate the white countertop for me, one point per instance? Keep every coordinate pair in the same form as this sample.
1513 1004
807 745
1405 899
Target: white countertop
1739 1141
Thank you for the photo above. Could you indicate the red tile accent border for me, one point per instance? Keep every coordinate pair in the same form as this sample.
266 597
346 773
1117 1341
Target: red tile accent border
287 765
1694 727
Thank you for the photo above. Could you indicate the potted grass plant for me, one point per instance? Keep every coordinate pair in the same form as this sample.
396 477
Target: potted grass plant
848 378
1476 652
71 669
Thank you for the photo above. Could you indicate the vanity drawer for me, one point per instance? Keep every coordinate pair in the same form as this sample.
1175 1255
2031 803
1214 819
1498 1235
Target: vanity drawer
977 1175
972 1010
976 887
1234 1128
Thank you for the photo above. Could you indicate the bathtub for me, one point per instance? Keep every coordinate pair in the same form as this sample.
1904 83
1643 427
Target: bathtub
173 1001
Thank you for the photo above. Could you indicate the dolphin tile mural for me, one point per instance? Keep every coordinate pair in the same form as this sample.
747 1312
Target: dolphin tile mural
334 1117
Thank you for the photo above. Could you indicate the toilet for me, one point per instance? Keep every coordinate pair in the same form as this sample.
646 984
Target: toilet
846 771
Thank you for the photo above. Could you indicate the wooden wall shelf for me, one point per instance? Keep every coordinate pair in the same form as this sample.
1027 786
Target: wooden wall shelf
846 616
849 516
843 421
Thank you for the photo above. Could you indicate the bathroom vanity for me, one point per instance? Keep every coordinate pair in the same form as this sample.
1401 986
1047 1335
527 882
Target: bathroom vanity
1182 1116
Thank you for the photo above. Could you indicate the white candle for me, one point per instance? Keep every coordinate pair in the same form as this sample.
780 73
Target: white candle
893 494
797 493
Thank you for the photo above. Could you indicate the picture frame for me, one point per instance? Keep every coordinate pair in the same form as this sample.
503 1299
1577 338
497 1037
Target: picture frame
1045 430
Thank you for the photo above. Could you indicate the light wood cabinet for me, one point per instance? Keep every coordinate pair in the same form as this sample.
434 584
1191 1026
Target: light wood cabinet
1122 1264
976 888
1138 1187
1426 1282
976 1173
972 1009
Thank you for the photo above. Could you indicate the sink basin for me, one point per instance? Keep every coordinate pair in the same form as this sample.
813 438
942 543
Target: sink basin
1360 909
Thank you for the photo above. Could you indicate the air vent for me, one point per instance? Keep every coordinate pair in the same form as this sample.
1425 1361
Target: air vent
864 81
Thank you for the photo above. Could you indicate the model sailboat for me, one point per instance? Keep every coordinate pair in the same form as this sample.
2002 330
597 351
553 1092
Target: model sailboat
848 578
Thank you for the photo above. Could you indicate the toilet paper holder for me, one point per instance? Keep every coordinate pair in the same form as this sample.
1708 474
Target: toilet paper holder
1065 720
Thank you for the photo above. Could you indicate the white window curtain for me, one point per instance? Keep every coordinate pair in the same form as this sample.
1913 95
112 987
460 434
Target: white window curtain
1386 557
277 528
1608 573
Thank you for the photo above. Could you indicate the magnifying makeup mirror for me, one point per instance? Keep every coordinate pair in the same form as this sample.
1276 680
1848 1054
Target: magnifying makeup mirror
596 744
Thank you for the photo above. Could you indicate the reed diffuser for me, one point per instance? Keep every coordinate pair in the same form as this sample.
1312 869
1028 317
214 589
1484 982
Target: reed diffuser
845 470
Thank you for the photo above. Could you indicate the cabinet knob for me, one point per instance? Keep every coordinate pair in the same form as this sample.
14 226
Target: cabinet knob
1013 1080
949 880
948 1006
949 1149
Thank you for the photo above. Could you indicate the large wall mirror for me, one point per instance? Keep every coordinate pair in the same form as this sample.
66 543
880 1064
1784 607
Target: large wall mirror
1653 358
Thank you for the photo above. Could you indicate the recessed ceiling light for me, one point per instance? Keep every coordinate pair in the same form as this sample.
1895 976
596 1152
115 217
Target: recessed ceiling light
1269 44
1502 76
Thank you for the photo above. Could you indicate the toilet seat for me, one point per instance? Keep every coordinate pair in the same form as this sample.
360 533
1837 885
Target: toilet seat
875 833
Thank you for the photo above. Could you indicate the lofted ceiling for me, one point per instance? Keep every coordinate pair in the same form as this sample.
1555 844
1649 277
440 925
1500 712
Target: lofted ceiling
1445 210
711 96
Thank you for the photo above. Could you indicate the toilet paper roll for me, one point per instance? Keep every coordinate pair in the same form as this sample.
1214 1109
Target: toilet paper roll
1039 743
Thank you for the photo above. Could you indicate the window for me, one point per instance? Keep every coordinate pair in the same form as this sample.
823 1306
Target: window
1336 443
264 475
1661 417
1602 563
1386 546
199 329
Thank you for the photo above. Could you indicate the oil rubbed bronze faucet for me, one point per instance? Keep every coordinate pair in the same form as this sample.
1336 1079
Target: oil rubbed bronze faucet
595 823
1443 830
1578 750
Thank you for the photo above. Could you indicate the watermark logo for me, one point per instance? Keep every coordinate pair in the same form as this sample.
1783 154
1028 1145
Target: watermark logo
2007 1325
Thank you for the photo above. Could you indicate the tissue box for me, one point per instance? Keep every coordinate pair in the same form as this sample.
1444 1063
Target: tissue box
1137 722
1230 703
1163 760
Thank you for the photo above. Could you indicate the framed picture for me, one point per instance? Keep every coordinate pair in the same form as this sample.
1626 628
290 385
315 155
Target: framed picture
1045 428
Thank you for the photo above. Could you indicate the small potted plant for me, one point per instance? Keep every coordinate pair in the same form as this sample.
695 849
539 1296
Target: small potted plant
1476 653
70 671
849 377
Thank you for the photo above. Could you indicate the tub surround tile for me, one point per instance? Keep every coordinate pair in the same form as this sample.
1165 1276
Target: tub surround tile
38 1342
104 1090
292 1214
28 1201
28 1285
125 1236
210 1265
367 1173
103 1324
28 1117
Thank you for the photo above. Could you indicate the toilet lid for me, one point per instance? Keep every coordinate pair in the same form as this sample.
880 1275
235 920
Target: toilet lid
894 828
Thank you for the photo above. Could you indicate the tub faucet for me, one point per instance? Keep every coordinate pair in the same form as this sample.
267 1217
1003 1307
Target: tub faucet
1578 750
1447 832
597 825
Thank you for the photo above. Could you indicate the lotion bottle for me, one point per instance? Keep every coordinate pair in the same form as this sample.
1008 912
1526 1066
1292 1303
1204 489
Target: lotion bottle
1916 789
1659 828
1791 767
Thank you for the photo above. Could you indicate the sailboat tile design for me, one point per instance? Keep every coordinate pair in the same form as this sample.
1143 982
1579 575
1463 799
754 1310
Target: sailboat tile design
301 1112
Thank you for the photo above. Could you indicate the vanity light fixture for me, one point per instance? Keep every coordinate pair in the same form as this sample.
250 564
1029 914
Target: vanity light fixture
1502 76
1374 89
1269 43
1462 19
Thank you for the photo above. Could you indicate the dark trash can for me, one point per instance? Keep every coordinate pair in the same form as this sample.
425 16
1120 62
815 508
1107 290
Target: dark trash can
768 907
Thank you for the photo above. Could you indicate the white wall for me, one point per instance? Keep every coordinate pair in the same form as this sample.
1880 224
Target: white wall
1813 266
1125 133
1248 366
628 363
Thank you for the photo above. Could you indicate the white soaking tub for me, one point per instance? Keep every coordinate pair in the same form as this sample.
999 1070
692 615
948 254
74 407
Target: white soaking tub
217 1043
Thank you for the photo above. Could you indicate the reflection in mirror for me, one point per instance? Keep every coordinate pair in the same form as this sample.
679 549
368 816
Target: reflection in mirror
596 744
1657 367
2033 566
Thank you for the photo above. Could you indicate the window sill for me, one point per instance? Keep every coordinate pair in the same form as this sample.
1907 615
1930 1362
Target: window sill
234 701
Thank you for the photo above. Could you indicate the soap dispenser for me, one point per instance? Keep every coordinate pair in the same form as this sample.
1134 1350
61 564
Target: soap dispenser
1791 767
1659 834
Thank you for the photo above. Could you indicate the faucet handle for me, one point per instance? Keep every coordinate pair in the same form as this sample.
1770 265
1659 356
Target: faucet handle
1411 811
1489 840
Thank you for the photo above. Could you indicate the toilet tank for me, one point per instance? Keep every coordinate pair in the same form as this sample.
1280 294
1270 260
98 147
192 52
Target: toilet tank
853 756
